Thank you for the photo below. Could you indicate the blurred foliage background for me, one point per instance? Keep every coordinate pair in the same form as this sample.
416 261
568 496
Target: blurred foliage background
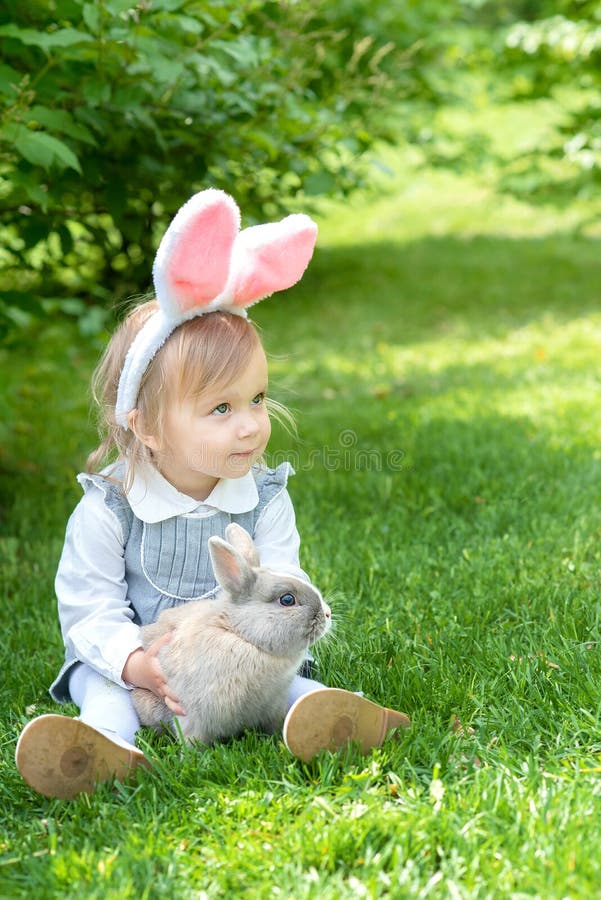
114 112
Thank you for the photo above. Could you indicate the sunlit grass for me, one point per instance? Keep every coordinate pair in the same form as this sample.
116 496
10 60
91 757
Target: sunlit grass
445 202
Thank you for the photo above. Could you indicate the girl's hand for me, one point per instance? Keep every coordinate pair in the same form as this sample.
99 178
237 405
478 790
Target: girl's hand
143 669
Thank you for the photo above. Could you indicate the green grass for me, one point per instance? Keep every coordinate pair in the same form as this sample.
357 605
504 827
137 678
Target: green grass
441 356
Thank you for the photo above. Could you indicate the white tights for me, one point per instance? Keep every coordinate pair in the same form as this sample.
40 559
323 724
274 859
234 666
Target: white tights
103 704
108 707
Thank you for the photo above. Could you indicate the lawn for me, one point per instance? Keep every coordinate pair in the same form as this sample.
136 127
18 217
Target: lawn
441 358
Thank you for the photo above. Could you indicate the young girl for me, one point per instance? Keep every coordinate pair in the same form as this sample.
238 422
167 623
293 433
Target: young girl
182 388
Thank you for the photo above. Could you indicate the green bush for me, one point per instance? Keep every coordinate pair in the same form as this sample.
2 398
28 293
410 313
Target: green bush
115 112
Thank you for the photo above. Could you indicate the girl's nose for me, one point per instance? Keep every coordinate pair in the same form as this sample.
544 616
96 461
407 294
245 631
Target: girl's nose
247 426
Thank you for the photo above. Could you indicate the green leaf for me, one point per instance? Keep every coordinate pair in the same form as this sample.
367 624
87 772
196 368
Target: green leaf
167 71
168 5
96 92
243 51
91 16
41 149
188 24
65 37
29 184
9 77
265 141
62 121
319 183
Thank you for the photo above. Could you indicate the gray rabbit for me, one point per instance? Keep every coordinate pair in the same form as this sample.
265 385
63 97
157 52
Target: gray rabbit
232 659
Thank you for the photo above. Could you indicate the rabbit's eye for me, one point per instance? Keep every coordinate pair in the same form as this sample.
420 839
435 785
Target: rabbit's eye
287 600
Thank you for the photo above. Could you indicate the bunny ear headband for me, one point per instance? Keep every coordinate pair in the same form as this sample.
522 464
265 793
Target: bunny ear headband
205 263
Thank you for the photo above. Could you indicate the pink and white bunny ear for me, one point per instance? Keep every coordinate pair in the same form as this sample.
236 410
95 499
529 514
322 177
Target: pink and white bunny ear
268 258
192 264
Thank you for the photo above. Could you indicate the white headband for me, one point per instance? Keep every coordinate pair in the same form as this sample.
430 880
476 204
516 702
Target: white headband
204 263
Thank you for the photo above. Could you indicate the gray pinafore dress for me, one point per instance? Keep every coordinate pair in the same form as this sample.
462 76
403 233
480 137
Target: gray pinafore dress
167 563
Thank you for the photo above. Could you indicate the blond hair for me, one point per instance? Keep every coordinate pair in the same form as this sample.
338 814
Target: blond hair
200 353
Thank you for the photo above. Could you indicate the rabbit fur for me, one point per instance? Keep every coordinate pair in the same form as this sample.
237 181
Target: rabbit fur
231 660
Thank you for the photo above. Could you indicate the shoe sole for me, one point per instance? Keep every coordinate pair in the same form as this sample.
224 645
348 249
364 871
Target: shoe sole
329 718
63 757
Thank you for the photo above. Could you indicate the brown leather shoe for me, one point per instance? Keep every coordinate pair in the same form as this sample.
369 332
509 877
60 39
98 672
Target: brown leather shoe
59 756
328 718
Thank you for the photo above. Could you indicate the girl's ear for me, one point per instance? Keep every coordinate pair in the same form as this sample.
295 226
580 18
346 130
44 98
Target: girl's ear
135 423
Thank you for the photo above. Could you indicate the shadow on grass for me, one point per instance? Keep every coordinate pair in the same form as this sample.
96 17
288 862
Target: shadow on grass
419 291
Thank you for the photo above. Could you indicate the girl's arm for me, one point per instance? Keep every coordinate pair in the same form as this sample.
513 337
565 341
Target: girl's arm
277 539
96 619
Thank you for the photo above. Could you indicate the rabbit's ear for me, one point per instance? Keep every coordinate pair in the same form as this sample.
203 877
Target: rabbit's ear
239 538
231 569
192 263
268 258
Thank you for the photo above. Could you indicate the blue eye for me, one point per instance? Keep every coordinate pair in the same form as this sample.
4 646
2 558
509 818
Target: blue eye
287 600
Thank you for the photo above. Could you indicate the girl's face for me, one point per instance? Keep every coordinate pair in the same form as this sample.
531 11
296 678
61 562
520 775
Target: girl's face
217 434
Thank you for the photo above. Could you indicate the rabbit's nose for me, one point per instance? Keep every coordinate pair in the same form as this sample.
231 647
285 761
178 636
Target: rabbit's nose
326 610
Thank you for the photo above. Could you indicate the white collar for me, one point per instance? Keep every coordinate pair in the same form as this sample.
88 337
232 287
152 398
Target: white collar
153 498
